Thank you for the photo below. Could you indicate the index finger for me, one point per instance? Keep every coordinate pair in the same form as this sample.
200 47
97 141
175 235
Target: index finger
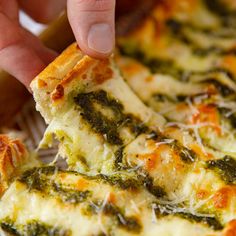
43 11
15 56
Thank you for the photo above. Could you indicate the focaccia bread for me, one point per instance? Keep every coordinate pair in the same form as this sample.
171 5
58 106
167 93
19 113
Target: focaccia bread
185 58
104 129
48 201
166 129
89 110
189 74
14 159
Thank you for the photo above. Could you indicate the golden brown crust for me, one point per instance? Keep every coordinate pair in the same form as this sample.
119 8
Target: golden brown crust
67 60
223 197
78 71
42 83
69 71
13 155
230 229
58 93
46 82
100 72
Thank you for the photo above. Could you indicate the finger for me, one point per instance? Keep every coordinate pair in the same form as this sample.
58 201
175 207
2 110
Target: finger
15 56
22 69
92 22
10 9
43 11
45 54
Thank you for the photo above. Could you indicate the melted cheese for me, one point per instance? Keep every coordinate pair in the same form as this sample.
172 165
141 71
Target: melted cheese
22 205
184 187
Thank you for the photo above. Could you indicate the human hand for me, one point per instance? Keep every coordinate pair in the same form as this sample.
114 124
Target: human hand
24 56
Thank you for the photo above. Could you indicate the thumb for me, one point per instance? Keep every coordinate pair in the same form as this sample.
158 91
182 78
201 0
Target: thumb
92 22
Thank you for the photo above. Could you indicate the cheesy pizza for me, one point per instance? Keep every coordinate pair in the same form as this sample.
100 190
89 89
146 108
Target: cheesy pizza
148 134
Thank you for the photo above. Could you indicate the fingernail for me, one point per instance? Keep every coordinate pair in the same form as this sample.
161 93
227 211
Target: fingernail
100 38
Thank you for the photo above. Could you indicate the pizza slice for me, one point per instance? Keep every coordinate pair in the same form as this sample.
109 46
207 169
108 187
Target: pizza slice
161 164
104 128
196 97
188 69
131 172
49 201
46 200
14 159
179 38
204 106
94 119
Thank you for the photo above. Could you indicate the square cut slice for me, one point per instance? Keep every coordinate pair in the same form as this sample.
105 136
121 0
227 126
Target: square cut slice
90 109
14 159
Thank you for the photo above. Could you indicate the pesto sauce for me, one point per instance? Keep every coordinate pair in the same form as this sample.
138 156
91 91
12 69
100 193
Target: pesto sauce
164 66
32 228
155 190
222 88
130 224
226 15
169 67
218 7
101 124
176 27
162 210
163 98
188 156
129 183
8 226
225 167
33 178
71 196
231 118
119 158
38 179
203 52
177 31
156 65
135 183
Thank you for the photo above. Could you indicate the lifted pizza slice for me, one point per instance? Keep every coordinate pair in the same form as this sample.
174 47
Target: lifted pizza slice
104 128
102 132
92 115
